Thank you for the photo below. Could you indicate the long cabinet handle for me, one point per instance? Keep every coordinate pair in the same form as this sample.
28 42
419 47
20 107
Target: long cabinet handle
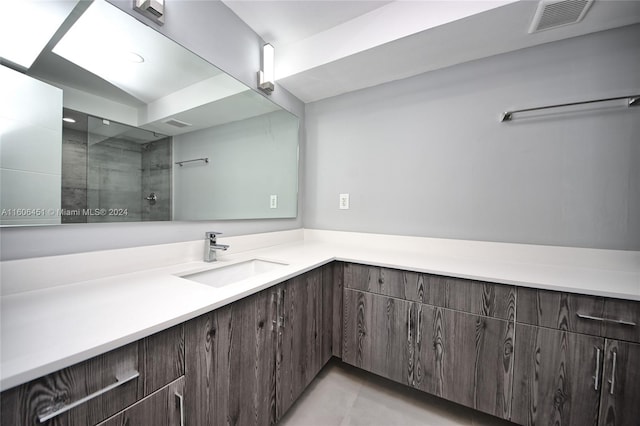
284 310
596 378
274 302
409 326
612 381
180 399
613 321
119 382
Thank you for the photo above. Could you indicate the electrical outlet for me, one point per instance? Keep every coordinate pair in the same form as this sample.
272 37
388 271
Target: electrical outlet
273 203
344 202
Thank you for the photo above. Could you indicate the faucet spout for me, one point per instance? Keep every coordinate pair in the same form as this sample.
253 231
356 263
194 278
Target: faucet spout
211 246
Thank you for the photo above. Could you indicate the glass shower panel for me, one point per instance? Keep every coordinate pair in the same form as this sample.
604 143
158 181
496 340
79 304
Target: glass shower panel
128 173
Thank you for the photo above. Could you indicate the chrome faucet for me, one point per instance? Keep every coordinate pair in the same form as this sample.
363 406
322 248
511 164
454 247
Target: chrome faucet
211 246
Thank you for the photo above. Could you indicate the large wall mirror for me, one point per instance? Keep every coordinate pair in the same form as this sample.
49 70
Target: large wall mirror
151 131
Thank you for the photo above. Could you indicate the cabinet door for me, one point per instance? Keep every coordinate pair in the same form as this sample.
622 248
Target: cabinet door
229 364
465 358
162 408
378 335
620 401
557 377
299 351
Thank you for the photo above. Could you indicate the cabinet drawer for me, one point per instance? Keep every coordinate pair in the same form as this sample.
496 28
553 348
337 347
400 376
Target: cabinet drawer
162 408
598 316
88 392
475 297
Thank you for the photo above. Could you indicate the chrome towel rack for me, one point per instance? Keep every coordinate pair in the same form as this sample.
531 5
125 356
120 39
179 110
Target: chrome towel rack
633 100
180 163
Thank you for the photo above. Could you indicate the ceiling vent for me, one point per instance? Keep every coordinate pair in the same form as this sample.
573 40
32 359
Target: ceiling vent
176 123
557 13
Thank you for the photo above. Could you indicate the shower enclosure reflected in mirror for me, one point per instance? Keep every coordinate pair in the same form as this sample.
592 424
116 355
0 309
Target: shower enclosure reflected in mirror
166 106
112 172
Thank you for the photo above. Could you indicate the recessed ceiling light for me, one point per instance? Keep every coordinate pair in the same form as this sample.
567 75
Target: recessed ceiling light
68 120
132 57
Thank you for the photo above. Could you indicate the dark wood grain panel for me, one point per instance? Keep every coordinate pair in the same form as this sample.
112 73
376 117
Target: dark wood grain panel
230 364
563 311
21 405
161 358
356 320
384 281
476 297
626 310
161 408
559 310
299 350
465 358
379 335
620 401
338 285
554 377
479 297
327 312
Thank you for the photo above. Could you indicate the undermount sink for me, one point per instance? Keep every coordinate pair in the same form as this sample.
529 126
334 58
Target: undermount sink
225 275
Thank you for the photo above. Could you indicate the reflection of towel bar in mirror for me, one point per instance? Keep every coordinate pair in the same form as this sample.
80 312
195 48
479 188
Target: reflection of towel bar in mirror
633 100
180 163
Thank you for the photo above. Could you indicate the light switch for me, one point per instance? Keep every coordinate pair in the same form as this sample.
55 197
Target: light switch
344 201
273 203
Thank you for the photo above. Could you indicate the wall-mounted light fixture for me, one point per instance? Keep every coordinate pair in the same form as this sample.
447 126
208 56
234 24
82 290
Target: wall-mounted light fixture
266 79
152 9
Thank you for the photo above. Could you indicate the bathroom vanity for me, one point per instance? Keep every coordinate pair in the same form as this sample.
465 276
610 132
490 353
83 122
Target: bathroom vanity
525 333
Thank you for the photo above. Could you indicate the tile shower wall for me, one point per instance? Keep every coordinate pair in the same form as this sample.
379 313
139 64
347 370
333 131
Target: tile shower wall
114 174
121 174
114 179
74 175
156 178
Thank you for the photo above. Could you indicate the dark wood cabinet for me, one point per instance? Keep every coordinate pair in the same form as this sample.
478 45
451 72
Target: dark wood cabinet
162 408
300 337
230 364
558 377
620 394
447 336
247 362
464 358
140 368
458 356
378 335
568 369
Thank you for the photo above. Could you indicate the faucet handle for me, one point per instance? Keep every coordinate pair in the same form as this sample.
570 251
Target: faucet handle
212 234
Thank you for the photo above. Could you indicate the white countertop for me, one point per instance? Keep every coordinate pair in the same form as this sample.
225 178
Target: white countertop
45 328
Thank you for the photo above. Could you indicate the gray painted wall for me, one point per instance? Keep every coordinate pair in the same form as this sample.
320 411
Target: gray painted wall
213 31
426 156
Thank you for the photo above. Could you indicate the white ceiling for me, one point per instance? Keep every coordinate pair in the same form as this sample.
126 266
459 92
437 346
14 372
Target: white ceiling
285 22
88 59
325 48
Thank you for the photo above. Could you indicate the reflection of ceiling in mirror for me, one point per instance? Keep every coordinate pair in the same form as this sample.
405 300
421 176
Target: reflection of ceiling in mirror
89 59
105 42
28 37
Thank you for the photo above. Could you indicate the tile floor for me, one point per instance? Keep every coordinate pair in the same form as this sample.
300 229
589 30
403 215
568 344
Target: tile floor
345 396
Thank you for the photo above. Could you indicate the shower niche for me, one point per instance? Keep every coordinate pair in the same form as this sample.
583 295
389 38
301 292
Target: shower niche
112 172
